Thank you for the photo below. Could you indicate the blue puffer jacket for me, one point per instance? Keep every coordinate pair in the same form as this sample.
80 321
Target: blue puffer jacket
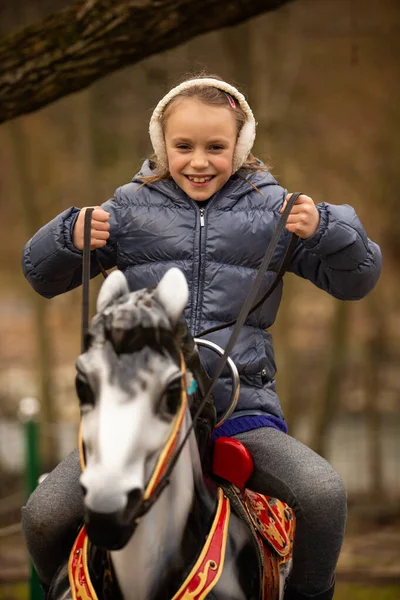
219 249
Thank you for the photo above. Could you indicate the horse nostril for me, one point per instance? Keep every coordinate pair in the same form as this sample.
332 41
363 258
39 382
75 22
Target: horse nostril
135 499
135 496
84 489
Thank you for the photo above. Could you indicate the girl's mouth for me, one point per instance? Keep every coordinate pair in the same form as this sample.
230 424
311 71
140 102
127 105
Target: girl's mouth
200 181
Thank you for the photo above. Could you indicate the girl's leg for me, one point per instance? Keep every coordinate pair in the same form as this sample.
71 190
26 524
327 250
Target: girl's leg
287 469
51 517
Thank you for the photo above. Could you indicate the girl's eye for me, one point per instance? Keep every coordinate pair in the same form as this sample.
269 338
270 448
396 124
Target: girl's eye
216 148
183 147
84 392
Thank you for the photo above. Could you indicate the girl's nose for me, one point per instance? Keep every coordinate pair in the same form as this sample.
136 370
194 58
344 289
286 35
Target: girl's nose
199 161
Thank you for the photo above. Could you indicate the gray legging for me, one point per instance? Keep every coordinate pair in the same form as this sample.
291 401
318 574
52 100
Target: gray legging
287 469
284 467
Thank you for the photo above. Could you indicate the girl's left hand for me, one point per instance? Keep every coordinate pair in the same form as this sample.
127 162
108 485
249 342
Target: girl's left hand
303 218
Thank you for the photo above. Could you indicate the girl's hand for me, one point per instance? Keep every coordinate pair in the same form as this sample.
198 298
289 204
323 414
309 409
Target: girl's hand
99 230
303 218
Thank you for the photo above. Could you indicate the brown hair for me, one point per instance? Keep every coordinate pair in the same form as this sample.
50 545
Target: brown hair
213 97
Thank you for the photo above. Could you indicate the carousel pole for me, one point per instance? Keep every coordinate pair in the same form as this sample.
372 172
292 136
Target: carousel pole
29 411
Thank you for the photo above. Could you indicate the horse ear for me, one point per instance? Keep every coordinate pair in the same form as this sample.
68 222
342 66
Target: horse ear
113 287
173 293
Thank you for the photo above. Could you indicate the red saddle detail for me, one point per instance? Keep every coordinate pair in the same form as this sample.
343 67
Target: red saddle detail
273 519
232 461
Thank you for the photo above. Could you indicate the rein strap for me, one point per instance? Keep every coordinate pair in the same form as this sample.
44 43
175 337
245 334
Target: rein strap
246 309
86 276
244 312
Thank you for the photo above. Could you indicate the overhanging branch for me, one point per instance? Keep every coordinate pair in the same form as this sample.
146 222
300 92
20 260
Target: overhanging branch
70 49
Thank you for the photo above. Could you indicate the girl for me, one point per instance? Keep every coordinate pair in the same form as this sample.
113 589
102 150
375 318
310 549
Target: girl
206 205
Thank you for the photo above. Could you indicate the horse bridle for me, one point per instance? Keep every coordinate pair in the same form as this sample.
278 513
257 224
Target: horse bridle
247 308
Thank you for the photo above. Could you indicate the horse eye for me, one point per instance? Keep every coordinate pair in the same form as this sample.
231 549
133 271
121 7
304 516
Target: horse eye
84 391
172 397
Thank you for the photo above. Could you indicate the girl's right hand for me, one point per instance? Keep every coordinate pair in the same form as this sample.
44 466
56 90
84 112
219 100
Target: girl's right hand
99 230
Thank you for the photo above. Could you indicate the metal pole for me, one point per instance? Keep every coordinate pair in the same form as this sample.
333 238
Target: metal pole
29 411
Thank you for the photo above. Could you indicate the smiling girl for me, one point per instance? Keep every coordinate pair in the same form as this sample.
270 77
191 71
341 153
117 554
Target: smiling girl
206 205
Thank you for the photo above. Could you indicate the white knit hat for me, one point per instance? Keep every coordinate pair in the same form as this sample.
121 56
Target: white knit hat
246 137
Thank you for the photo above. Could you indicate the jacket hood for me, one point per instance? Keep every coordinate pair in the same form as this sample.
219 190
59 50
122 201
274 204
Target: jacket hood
235 187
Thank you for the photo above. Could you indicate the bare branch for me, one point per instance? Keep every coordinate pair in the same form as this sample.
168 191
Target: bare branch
70 49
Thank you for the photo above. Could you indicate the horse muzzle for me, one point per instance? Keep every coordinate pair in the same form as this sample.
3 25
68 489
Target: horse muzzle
107 531
112 530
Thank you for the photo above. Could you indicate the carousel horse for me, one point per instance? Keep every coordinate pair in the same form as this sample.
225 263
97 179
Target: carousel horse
158 524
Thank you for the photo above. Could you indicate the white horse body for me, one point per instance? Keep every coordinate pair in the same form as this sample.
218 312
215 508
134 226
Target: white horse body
124 432
144 560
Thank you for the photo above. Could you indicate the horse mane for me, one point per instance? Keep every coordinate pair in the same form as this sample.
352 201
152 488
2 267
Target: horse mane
135 320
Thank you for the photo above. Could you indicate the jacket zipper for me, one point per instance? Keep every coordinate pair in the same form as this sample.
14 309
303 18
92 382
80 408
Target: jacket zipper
202 224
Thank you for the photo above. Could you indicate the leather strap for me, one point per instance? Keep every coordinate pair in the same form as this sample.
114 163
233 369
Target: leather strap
248 303
244 312
86 276
87 254
280 273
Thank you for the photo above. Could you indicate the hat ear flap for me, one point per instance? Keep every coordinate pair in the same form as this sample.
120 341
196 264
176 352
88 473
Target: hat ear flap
244 145
247 134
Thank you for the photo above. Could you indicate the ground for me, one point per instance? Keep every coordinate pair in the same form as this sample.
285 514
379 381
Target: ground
369 565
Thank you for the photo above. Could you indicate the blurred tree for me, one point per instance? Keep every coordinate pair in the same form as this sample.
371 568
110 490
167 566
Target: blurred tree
41 307
236 43
72 48
272 85
286 358
326 405
32 222
374 361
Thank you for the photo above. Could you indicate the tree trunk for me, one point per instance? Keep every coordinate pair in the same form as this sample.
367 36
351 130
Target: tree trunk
326 407
286 357
236 43
373 365
43 345
74 47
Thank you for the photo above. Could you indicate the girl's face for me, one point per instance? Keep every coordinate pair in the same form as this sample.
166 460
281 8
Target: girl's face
200 142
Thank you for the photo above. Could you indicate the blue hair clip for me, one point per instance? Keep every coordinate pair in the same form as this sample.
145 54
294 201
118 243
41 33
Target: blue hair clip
191 383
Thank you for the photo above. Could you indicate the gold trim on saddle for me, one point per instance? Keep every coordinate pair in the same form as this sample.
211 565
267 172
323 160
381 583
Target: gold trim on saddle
208 568
202 578
271 578
78 572
273 519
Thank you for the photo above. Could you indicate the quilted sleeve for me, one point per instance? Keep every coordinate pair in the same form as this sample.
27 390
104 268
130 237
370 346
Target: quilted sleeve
339 258
50 261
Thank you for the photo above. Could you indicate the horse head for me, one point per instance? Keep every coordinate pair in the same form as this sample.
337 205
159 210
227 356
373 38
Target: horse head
132 390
